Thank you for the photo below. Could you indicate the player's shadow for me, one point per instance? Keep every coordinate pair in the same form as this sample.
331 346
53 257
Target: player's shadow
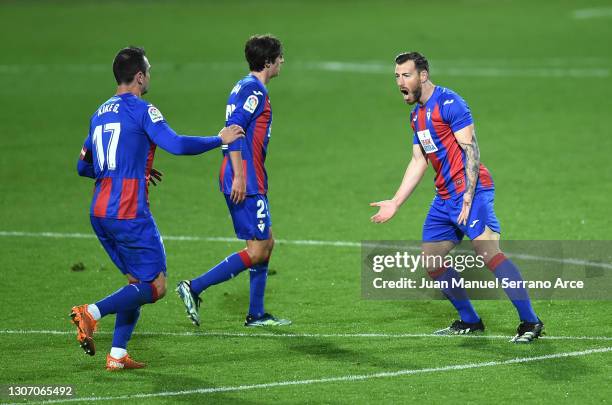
330 351
157 381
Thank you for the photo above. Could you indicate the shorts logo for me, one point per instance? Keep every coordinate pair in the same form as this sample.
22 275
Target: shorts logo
251 103
261 226
474 223
154 114
427 141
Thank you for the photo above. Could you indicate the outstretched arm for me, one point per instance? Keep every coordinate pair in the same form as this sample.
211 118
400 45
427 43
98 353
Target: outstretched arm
413 175
165 137
467 140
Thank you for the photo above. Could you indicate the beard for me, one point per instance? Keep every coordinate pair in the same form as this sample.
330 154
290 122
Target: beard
416 93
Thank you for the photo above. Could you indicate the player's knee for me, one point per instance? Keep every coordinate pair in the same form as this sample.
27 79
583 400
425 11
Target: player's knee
161 291
159 288
260 254
486 253
257 256
271 243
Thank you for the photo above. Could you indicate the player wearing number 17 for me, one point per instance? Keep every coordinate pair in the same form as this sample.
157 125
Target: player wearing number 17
118 153
244 183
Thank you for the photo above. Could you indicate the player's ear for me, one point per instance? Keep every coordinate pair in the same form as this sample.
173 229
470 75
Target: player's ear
138 77
424 76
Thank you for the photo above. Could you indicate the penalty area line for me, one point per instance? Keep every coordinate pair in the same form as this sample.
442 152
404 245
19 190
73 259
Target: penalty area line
373 335
346 378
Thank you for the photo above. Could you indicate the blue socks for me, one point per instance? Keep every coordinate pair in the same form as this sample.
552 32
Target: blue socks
259 276
228 268
502 267
127 298
124 326
456 295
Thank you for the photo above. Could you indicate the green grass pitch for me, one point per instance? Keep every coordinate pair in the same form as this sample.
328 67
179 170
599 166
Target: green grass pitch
537 76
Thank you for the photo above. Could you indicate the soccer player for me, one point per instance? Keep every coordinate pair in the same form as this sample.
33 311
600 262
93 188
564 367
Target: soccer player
118 153
244 182
444 134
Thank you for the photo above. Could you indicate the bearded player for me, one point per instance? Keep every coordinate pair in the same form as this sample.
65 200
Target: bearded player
444 134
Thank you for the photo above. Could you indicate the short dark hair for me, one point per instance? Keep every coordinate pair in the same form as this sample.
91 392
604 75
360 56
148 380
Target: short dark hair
128 62
262 49
420 62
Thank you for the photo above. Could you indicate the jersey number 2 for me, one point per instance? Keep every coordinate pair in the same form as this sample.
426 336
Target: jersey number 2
110 156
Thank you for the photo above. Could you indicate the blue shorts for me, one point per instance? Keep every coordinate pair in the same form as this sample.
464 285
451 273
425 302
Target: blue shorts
441 222
251 217
134 245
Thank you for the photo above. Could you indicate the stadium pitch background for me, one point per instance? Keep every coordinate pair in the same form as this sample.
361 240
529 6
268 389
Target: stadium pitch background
537 77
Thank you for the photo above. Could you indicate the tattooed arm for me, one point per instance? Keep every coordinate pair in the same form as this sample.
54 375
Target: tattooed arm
466 138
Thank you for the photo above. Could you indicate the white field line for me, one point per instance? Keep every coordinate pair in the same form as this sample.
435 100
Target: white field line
447 68
327 243
588 13
346 378
463 71
372 335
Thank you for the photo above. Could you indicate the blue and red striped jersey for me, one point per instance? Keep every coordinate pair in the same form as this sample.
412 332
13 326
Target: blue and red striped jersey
122 155
248 106
119 150
434 125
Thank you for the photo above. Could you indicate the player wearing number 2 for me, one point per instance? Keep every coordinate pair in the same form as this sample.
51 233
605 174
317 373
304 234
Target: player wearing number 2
118 153
244 182
444 134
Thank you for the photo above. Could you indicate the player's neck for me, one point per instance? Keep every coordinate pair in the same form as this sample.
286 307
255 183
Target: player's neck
426 92
261 76
125 88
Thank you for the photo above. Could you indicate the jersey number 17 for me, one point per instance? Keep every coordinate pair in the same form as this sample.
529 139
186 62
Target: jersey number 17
106 152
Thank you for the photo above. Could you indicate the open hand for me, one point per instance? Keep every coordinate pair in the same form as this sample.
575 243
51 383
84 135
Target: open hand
386 211
238 193
465 210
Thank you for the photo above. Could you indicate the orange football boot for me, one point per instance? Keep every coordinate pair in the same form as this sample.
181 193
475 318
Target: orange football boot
86 326
124 363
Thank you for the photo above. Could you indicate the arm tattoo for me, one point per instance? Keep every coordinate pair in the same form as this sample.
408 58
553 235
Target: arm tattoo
472 165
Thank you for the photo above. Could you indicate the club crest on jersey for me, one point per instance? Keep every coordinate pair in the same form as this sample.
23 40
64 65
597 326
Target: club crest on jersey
427 142
251 103
155 114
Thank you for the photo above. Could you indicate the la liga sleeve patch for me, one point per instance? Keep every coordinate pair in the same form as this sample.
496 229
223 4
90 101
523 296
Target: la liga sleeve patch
251 103
155 114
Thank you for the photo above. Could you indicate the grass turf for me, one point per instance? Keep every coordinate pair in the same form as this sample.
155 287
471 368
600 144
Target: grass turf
340 140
